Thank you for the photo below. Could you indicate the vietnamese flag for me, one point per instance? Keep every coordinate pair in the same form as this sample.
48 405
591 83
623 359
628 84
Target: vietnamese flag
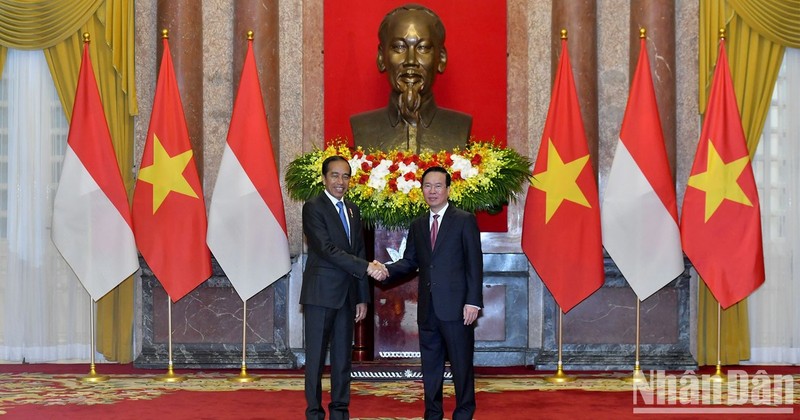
246 220
169 213
561 227
91 215
640 211
721 219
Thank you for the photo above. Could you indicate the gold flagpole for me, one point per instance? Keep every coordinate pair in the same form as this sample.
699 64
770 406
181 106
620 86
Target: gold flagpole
559 376
718 376
170 376
243 376
92 376
637 376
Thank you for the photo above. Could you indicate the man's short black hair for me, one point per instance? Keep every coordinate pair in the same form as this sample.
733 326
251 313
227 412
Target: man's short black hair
330 159
438 169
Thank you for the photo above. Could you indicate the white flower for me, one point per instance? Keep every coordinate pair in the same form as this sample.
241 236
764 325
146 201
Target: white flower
355 163
405 185
377 176
404 169
464 165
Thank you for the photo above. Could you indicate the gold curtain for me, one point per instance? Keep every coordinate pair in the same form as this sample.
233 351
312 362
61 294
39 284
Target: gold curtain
757 33
56 26
3 50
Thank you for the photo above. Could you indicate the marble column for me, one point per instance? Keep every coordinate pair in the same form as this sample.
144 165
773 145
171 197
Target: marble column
579 18
261 17
658 18
184 20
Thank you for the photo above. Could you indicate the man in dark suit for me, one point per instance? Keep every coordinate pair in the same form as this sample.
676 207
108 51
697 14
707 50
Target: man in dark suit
335 288
445 246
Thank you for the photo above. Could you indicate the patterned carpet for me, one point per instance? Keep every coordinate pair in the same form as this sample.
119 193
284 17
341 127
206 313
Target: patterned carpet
65 389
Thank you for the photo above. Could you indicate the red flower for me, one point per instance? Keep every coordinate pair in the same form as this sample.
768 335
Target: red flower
393 185
393 167
365 166
476 160
456 176
363 179
371 158
448 161
410 176
400 156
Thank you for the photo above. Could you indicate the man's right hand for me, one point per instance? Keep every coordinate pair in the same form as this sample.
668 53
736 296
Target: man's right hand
377 271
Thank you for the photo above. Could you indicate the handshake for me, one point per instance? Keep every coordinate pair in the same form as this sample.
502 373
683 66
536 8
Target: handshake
377 271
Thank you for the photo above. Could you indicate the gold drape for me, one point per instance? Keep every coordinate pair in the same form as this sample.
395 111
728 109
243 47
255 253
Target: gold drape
3 50
56 26
757 33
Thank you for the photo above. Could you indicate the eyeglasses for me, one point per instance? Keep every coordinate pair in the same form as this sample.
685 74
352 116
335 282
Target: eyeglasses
433 187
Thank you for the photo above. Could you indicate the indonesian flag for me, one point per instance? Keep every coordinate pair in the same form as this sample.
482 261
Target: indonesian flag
246 222
169 213
91 214
721 219
561 227
640 212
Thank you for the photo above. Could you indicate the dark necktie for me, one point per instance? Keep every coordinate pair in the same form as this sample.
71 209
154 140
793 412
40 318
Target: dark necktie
434 229
344 219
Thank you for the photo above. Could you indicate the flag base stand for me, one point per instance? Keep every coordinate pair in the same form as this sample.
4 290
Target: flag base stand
637 377
93 377
718 376
243 377
170 376
560 377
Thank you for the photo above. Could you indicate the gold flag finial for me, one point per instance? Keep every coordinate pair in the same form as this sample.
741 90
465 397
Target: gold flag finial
721 33
250 35
563 34
86 37
165 33
642 33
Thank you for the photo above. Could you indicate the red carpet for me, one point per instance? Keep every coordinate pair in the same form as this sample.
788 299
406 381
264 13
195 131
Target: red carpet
55 391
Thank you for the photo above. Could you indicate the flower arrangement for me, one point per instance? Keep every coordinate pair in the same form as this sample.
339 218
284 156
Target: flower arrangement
386 185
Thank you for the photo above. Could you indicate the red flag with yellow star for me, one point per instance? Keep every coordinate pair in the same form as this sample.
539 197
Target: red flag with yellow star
561 227
169 213
721 219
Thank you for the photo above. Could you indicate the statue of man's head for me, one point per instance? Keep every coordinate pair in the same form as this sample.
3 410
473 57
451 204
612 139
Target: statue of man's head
412 49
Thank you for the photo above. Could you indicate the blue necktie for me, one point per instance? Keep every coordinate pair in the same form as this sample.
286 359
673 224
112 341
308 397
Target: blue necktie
344 219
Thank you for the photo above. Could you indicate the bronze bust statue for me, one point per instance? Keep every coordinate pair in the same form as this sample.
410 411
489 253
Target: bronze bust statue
411 51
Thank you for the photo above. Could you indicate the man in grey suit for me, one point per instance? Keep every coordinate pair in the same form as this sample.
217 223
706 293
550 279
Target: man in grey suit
335 288
445 246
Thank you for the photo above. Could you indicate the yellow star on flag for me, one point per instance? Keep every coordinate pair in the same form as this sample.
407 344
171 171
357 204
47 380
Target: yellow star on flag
559 181
166 174
719 181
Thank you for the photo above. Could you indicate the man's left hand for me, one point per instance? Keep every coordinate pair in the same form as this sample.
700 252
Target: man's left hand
470 314
361 311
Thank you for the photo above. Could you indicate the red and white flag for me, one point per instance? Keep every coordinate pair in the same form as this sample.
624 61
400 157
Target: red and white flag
639 212
169 212
92 225
561 227
246 221
721 217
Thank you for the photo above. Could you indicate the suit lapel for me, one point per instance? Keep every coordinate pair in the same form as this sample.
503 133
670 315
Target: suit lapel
444 228
333 216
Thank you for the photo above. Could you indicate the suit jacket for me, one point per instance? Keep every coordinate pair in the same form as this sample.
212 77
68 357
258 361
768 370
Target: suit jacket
450 275
335 266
